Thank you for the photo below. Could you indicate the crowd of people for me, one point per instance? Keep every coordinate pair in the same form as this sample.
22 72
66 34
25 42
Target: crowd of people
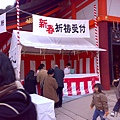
51 82
15 102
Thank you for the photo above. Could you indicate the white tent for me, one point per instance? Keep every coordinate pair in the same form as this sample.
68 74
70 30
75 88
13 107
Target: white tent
31 43
28 39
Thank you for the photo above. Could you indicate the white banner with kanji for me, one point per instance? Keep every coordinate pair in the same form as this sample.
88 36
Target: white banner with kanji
3 23
55 27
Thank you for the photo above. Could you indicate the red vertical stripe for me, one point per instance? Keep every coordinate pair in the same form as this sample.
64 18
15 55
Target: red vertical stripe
69 87
92 65
84 65
86 87
57 59
48 61
78 87
26 64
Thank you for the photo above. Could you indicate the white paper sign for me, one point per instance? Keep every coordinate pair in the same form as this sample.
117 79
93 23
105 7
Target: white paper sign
3 23
54 27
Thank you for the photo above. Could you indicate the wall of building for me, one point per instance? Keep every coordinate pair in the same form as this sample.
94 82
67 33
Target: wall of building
88 11
113 7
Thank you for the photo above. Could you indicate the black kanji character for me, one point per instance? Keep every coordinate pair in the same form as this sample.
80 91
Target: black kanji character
74 28
67 28
58 27
82 28
2 23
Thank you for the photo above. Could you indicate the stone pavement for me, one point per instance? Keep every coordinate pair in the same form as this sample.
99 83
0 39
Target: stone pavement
79 109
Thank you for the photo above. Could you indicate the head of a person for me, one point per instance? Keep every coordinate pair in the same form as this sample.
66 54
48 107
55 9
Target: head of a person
30 74
55 66
41 66
69 65
7 74
98 88
50 72
116 82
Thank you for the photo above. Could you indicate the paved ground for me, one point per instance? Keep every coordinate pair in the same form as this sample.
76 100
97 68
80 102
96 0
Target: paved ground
79 109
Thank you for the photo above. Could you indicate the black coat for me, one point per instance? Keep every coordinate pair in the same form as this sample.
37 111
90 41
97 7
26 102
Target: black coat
21 102
30 85
59 76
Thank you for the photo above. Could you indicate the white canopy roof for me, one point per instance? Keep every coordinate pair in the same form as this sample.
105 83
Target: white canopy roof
28 39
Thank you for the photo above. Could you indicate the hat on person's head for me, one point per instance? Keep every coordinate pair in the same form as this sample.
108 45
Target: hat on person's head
68 64
50 71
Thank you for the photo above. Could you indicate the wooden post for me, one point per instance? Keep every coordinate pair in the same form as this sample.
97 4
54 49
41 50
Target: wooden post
73 9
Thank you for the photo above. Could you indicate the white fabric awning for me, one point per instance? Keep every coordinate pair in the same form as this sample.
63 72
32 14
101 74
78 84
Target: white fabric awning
28 39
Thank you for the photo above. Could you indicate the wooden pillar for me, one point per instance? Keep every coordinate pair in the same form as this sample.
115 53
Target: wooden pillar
104 56
102 7
73 9
103 43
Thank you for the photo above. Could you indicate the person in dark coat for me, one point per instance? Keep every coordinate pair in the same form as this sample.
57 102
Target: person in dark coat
116 82
59 76
15 103
30 82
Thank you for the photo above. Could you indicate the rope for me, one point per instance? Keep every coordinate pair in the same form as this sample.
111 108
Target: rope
96 39
18 21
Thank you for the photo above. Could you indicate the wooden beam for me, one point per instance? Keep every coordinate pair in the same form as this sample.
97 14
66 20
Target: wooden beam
112 18
15 26
65 11
91 23
79 2
52 11
109 18
104 18
73 9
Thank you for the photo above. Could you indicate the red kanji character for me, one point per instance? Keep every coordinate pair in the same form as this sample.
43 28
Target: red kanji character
50 29
42 23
